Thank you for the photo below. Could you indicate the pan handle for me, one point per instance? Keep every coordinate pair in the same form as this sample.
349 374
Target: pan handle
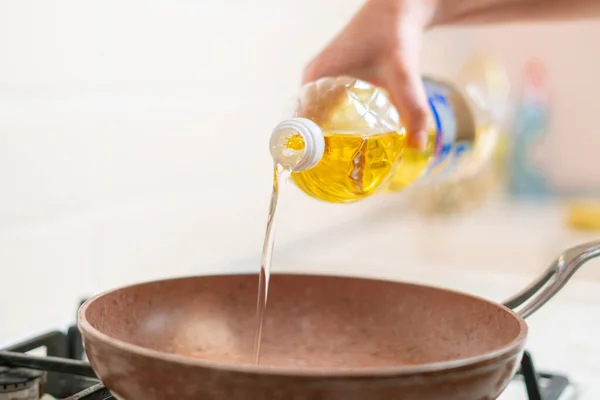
553 279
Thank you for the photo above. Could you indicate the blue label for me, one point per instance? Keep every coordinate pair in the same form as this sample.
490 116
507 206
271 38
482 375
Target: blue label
447 150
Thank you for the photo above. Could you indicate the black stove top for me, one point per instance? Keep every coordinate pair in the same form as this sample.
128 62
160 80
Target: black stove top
64 374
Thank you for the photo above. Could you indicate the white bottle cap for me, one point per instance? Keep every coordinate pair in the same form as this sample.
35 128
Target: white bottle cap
297 160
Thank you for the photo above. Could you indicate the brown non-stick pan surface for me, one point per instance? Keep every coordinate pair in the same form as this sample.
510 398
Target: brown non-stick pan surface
324 338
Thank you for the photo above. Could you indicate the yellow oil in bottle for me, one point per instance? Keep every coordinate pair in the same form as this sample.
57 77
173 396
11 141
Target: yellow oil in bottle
353 165
364 142
411 165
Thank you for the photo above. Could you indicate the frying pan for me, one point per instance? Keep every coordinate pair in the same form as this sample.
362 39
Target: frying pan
325 337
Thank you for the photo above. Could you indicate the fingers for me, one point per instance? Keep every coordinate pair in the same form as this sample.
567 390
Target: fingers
399 76
405 87
393 67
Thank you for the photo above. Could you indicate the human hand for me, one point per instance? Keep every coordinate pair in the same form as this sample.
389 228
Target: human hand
381 45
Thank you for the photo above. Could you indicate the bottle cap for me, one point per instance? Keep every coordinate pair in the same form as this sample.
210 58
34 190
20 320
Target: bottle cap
303 156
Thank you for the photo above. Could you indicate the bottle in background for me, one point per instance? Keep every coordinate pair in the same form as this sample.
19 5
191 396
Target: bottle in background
526 173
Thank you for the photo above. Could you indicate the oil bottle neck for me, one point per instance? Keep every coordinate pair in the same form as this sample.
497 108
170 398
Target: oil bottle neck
297 144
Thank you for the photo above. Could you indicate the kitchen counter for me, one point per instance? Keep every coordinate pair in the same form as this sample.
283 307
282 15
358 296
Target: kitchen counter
515 237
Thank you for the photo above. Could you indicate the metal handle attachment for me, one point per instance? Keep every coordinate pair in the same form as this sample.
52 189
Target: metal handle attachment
553 279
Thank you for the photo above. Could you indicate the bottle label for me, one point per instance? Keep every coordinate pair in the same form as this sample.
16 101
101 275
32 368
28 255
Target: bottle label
455 127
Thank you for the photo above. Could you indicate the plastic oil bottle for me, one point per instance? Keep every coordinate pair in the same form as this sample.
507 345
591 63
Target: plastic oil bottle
345 141
484 82
476 105
527 175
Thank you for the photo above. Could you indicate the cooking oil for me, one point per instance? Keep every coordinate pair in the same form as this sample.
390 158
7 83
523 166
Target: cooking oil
361 142
353 166
411 165
345 141
280 176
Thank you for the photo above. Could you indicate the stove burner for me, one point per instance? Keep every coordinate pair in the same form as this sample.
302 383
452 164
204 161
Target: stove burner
67 374
21 384
12 379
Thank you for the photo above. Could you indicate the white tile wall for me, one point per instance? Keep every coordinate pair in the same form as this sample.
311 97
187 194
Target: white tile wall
132 140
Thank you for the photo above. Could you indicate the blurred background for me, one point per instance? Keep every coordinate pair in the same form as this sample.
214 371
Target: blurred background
133 146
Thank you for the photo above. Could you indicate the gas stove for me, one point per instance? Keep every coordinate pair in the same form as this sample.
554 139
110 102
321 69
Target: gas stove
62 372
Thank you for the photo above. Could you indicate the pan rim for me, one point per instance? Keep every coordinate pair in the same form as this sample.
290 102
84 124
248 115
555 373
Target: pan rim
513 348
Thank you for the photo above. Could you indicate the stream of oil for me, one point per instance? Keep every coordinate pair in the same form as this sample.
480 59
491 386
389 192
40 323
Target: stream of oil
280 176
